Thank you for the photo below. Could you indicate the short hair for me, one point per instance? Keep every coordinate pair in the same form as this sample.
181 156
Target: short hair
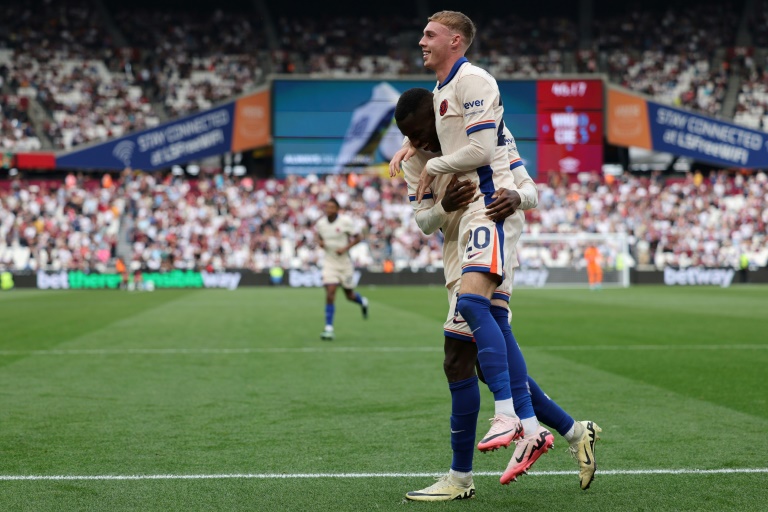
458 22
410 101
334 201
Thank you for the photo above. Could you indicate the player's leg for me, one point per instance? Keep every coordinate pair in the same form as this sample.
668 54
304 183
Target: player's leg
330 310
475 306
518 370
537 440
459 367
592 276
481 247
481 251
355 297
581 435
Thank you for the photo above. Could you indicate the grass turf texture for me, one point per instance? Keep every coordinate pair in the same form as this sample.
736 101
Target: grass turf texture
675 376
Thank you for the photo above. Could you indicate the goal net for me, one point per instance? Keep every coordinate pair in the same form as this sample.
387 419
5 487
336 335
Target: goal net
562 260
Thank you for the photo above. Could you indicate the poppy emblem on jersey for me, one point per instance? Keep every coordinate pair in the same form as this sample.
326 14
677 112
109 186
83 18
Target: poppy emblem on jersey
443 107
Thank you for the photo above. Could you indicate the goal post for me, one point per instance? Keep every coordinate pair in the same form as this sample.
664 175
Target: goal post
555 259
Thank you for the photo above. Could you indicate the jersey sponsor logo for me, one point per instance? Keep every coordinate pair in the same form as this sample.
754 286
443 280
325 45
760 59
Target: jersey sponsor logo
443 107
472 255
474 103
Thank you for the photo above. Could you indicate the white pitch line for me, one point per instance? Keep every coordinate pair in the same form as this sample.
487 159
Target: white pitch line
279 476
244 350
566 348
358 349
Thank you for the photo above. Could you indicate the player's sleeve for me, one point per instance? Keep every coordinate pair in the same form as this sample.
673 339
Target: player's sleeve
526 187
477 96
429 213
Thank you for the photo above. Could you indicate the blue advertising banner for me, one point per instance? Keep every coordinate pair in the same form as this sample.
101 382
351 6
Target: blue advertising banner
197 136
336 126
705 139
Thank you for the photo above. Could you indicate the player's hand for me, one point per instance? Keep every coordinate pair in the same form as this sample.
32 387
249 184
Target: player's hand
458 194
340 251
425 180
402 155
505 203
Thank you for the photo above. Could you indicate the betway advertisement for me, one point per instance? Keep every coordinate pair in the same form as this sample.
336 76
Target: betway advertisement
235 126
77 280
637 122
570 126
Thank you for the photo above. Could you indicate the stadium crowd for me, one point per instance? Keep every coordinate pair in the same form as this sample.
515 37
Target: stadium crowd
102 73
227 222
54 226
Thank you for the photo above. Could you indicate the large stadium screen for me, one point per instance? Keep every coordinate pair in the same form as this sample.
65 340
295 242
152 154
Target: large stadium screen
335 126
570 126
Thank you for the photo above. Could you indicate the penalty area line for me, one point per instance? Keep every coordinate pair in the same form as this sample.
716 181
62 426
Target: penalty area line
279 476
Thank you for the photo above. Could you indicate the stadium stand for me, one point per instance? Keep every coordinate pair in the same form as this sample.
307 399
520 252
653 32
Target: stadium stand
102 73
70 225
670 55
96 74
227 222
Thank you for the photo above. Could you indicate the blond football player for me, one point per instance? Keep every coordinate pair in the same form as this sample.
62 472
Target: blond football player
442 208
470 127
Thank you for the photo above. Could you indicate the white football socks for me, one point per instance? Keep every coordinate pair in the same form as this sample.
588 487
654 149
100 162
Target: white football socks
530 425
575 433
506 407
461 477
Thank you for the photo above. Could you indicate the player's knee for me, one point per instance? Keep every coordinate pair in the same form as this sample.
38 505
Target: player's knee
460 358
457 368
480 372
471 308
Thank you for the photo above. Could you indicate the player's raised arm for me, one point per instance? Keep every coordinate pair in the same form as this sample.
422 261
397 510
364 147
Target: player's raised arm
458 194
429 213
402 156
479 96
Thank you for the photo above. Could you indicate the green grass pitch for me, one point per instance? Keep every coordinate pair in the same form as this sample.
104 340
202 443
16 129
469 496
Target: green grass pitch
219 383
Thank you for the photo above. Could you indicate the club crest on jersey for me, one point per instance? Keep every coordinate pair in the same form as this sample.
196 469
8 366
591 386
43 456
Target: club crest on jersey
443 107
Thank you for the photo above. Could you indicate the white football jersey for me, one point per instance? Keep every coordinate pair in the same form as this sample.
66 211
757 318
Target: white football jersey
450 227
335 235
466 102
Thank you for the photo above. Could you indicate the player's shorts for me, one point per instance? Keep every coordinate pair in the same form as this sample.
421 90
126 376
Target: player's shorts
455 326
339 273
487 246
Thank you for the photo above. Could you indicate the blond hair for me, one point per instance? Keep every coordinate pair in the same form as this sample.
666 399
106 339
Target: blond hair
456 22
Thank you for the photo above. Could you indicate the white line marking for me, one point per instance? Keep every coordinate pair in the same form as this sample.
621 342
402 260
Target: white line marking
359 349
271 476
244 350
754 346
